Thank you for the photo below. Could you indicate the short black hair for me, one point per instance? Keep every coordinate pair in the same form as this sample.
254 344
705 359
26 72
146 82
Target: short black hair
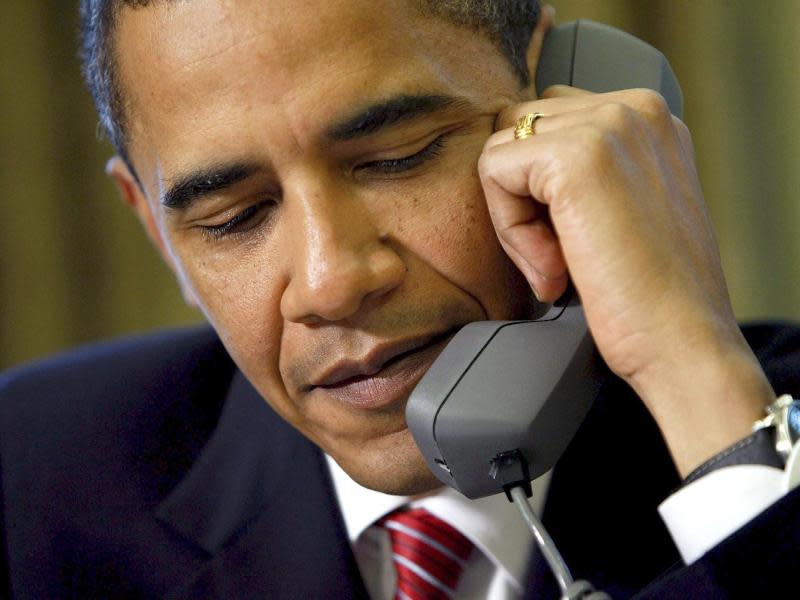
508 24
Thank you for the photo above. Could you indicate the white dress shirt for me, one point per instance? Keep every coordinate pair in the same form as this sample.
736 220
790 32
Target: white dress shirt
497 567
697 516
702 514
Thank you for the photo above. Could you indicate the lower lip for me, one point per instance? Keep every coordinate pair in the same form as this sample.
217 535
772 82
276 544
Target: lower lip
389 385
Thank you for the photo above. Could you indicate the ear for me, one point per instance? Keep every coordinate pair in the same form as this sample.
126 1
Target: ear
547 18
132 194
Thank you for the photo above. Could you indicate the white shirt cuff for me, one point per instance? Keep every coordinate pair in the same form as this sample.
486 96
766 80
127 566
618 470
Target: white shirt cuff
702 514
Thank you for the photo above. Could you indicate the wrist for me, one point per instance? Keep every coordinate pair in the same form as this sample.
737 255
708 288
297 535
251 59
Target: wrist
706 400
773 443
758 448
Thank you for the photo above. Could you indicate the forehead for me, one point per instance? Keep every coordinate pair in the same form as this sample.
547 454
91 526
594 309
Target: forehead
183 39
253 67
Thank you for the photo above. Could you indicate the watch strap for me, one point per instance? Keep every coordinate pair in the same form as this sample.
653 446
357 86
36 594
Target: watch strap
758 448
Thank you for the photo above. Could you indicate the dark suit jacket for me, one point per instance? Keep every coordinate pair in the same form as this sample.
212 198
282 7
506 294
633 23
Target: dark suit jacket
150 468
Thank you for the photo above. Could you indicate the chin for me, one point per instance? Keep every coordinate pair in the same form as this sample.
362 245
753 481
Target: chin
393 466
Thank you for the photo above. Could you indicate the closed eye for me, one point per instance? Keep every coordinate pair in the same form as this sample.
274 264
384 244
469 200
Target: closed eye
242 222
400 165
253 215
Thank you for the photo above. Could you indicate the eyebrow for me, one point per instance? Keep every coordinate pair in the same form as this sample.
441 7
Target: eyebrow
193 186
389 113
188 189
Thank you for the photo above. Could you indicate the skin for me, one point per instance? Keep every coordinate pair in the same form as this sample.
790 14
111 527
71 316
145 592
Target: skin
344 262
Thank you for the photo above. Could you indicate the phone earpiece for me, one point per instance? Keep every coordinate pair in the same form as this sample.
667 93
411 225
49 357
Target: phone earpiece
522 388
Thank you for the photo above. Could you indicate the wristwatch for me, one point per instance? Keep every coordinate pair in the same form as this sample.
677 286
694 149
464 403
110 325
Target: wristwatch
784 416
770 444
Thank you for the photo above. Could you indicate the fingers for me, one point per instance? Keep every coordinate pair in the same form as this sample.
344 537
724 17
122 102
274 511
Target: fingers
544 124
591 160
523 226
565 91
563 107
685 138
552 100
560 98
541 260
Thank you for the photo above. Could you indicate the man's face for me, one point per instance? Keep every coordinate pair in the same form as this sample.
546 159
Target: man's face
311 170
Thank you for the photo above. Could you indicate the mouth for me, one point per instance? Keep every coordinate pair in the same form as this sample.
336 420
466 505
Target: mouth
387 374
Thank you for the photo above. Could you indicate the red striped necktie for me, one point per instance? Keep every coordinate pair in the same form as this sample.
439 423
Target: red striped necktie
428 554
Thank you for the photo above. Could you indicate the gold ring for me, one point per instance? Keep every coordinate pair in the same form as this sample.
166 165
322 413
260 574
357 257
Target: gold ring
524 126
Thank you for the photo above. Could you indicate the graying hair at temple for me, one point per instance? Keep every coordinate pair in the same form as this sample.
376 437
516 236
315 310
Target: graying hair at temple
507 23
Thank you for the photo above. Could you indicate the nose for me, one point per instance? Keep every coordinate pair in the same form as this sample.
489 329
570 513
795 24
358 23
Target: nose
339 259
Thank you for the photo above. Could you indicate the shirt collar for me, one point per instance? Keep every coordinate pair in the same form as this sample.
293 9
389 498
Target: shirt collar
493 524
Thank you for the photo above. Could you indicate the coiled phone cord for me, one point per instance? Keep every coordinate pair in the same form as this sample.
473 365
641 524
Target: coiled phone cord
570 589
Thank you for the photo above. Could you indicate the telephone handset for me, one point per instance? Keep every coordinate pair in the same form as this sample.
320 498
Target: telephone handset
502 390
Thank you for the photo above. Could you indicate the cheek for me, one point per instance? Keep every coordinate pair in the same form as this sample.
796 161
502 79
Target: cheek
240 296
455 235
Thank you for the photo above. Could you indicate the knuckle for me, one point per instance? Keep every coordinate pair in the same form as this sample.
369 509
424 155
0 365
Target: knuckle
617 115
554 91
652 103
505 118
486 161
681 129
493 140
595 143
684 135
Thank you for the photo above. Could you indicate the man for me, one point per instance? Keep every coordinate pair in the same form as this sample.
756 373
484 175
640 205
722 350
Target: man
337 187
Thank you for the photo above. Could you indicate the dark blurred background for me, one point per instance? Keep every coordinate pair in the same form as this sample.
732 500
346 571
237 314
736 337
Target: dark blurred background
75 265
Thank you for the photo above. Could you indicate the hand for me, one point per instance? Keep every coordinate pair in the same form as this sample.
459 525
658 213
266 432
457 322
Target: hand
606 193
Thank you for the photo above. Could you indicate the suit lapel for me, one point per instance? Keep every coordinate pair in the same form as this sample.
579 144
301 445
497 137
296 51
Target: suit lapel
258 500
